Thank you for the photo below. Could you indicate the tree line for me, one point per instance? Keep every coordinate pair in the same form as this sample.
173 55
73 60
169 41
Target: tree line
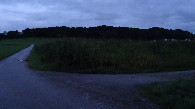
103 32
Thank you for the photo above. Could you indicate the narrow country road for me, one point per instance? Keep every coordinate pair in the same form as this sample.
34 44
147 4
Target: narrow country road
23 88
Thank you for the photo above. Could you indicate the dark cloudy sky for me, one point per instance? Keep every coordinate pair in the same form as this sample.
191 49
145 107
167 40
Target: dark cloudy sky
21 14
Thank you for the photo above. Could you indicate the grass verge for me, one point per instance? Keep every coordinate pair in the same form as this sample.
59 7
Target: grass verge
112 56
172 95
11 46
7 50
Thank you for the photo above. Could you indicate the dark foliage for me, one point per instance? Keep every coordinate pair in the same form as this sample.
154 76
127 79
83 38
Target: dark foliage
10 34
82 55
2 35
13 34
105 32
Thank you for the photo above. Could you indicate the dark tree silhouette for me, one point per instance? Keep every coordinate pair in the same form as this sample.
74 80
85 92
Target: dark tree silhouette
13 34
104 32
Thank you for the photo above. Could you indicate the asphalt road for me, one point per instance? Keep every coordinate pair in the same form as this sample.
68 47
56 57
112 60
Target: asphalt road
24 88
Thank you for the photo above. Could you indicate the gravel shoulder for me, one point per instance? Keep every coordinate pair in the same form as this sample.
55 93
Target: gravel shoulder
24 88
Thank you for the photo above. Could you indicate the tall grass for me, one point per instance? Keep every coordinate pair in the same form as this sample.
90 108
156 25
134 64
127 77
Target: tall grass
172 95
112 56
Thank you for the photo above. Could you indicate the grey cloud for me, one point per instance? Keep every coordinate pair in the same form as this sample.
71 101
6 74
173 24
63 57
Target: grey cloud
20 14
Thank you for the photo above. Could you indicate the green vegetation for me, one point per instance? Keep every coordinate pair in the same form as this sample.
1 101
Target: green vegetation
112 56
31 40
11 46
7 50
172 95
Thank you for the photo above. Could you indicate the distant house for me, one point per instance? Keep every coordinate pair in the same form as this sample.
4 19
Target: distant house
187 40
20 33
173 40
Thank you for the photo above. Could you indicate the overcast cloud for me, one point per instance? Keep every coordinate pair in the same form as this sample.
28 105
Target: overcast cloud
172 14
